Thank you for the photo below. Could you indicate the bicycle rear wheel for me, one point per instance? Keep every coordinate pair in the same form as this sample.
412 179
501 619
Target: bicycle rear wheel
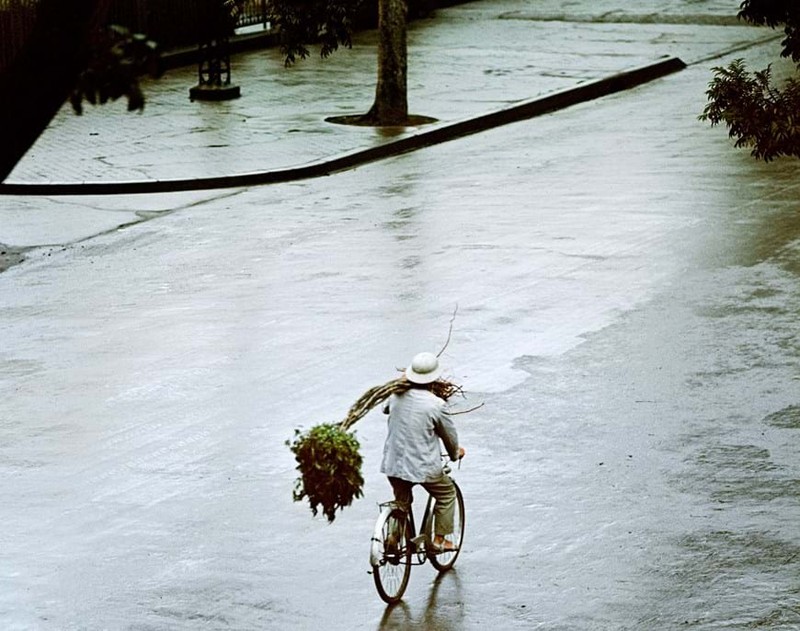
443 561
393 568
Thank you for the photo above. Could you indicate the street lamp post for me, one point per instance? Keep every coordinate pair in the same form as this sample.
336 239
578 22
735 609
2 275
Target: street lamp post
214 65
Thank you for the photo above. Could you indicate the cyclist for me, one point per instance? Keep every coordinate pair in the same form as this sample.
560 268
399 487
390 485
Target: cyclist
418 420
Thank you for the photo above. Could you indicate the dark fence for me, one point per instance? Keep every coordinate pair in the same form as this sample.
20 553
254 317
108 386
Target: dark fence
254 13
171 23
17 18
174 24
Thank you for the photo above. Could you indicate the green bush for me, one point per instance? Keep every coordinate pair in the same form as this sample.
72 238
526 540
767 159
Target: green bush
758 114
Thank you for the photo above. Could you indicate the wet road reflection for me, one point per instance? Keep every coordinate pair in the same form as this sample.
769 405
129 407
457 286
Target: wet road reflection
440 612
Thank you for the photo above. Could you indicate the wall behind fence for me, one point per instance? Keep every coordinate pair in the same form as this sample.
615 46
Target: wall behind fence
17 18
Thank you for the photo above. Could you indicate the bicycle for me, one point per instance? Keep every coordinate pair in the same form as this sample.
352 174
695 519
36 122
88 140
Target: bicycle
395 544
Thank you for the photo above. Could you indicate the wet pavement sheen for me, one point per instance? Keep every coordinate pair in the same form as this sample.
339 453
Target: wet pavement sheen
627 291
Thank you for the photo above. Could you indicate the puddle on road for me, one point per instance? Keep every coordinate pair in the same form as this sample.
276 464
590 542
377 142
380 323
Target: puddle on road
744 474
736 572
787 418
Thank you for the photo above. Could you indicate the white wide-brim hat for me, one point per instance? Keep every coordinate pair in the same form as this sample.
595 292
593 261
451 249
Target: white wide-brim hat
424 369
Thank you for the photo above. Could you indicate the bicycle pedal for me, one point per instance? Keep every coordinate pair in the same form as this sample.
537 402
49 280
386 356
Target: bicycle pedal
420 540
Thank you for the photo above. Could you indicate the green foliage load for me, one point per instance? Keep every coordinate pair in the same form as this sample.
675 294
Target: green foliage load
328 457
330 468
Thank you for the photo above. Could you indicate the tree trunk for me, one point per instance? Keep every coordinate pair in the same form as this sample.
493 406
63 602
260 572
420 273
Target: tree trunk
391 102
37 83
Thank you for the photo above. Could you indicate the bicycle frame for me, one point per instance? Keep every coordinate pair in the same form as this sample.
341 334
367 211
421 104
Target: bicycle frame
375 551
395 542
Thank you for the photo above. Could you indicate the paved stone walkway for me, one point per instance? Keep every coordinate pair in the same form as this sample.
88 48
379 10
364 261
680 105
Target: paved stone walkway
466 61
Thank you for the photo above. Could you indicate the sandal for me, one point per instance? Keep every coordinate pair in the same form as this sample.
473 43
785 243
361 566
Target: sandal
445 546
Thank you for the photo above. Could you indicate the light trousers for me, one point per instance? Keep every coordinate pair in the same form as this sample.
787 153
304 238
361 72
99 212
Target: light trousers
443 491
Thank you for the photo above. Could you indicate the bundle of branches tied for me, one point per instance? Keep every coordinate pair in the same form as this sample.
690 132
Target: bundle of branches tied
328 457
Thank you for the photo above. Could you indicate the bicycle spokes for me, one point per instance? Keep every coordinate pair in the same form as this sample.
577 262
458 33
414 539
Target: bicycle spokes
394 544
393 564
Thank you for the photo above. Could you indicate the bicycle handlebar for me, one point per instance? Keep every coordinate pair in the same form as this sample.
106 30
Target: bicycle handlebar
446 461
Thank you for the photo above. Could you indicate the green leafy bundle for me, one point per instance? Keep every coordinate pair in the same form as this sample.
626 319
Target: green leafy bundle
328 457
330 466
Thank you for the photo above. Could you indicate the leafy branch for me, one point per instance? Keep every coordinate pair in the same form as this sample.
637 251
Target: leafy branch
757 113
117 59
324 22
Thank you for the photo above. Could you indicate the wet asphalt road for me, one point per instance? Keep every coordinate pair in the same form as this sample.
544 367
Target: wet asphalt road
627 291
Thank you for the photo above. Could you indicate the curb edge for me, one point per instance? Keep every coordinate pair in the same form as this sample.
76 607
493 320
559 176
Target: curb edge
524 110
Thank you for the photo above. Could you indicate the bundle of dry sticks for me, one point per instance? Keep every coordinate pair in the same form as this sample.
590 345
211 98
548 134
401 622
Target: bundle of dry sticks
377 395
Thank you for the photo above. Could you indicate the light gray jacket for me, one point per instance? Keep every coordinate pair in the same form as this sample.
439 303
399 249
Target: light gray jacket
417 420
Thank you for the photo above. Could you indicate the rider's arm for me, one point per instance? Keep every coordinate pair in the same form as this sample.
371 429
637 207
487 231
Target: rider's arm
446 430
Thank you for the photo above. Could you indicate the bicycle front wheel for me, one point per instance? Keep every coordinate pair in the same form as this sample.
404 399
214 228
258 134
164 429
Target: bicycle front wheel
443 561
393 567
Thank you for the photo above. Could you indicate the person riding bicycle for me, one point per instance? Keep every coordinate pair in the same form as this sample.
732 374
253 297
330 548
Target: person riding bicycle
418 420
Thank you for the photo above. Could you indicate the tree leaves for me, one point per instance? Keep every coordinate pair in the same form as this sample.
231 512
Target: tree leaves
758 114
328 23
773 13
117 59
